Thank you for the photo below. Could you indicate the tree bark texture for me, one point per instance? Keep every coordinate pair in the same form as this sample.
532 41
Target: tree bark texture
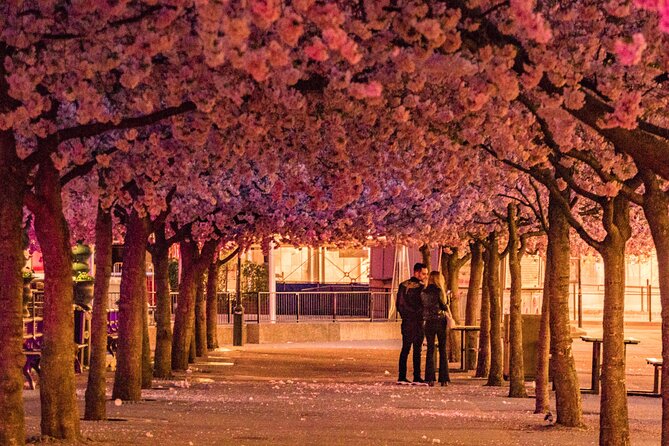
613 420
212 305
453 265
483 360
516 366
473 306
542 398
60 415
567 389
13 174
656 210
496 352
427 258
128 377
200 319
162 363
193 264
96 387
147 367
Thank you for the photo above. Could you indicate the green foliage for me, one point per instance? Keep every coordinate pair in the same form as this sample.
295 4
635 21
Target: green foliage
173 274
254 277
83 276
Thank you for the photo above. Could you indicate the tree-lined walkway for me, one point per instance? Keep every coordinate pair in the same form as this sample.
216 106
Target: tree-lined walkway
339 393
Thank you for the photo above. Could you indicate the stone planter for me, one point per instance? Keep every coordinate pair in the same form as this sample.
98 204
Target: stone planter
83 294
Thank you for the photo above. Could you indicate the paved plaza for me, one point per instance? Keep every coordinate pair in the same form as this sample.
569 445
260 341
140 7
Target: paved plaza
345 393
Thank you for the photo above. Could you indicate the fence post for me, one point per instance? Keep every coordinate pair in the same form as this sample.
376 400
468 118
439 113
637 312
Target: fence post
258 301
650 302
229 308
297 315
573 299
371 307
334 307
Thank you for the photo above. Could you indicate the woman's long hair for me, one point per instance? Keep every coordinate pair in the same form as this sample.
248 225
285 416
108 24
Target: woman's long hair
437 279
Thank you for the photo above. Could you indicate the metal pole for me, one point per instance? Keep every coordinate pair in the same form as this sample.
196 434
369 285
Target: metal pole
272 283
371 307
229 307
650 310
580 295
258 305
238 321
574 302
297 315
334 307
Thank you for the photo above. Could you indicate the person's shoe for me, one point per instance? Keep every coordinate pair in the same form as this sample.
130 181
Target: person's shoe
418 382
430 383
444 383
403 382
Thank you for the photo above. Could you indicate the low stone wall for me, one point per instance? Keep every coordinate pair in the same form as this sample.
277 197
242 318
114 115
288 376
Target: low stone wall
267 333
305 332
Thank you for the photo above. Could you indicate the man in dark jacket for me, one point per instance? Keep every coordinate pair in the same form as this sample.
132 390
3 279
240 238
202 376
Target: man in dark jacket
411 309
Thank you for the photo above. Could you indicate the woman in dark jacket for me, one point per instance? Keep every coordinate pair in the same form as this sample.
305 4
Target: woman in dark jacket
435 308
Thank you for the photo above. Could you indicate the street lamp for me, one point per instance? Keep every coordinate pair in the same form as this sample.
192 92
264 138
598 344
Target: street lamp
238 319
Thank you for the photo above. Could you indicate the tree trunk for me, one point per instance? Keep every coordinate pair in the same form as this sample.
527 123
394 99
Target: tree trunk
496 352
613 421
473 306
483 361
200 319
656 210
60 415
516 366
95 390
13 174
427 260
567 390
192 347
162 362
193 264
212 305
183 323
443 261
453 266
128 377
147 368
542 401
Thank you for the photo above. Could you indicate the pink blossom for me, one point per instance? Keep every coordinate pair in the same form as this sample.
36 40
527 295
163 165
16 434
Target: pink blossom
629 53
627 111
431 29
652 5
266 11
317 50
574 98
236 30
372 89
335 38
664 17
255 63
290 29
278 56
350 51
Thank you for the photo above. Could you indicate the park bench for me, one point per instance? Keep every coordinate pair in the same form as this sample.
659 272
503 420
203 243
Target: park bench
32 347
657 364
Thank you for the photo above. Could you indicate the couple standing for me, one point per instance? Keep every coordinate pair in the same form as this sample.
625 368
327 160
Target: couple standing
424 309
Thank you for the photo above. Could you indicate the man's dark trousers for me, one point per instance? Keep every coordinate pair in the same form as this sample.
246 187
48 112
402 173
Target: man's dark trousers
412 335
